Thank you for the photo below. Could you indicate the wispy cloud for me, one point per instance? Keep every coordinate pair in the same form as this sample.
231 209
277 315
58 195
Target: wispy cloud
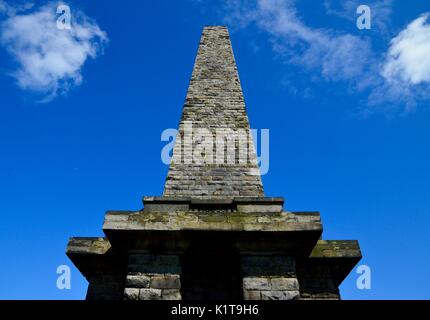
397 78
328 54
8 9
48 60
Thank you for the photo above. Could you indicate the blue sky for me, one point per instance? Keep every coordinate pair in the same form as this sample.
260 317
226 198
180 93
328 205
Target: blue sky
82 111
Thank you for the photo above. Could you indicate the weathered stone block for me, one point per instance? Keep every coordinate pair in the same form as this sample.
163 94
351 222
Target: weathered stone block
289 284
150 294
254 208
256 283
131 294
252 295
279 295
165 282
171 294
137 281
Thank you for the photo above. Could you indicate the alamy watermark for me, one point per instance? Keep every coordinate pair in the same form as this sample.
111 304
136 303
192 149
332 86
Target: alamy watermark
364 281
64 21
64 281
364 20
220 146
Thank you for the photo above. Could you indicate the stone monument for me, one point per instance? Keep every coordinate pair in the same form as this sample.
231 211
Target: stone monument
213 234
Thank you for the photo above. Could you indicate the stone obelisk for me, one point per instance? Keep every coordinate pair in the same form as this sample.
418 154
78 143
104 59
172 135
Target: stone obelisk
213 234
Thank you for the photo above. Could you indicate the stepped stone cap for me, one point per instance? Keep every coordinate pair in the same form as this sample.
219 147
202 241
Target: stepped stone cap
254 200
215 103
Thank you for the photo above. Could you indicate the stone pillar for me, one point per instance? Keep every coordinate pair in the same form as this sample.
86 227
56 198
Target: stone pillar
105 287
153 277
317 281
269 278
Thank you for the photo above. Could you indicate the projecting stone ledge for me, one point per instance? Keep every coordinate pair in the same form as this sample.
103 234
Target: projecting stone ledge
226 214
331 249
88 245
316 276
324 249
328 265
101 265
207 221
249 224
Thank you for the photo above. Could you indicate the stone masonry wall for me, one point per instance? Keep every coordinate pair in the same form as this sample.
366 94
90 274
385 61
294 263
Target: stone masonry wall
270 288
214 103
153 277
269 278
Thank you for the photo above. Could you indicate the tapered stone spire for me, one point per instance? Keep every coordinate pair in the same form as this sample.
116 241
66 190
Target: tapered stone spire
214 154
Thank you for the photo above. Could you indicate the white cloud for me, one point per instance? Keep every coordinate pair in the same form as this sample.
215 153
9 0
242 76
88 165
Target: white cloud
49 60
408 58
400 79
